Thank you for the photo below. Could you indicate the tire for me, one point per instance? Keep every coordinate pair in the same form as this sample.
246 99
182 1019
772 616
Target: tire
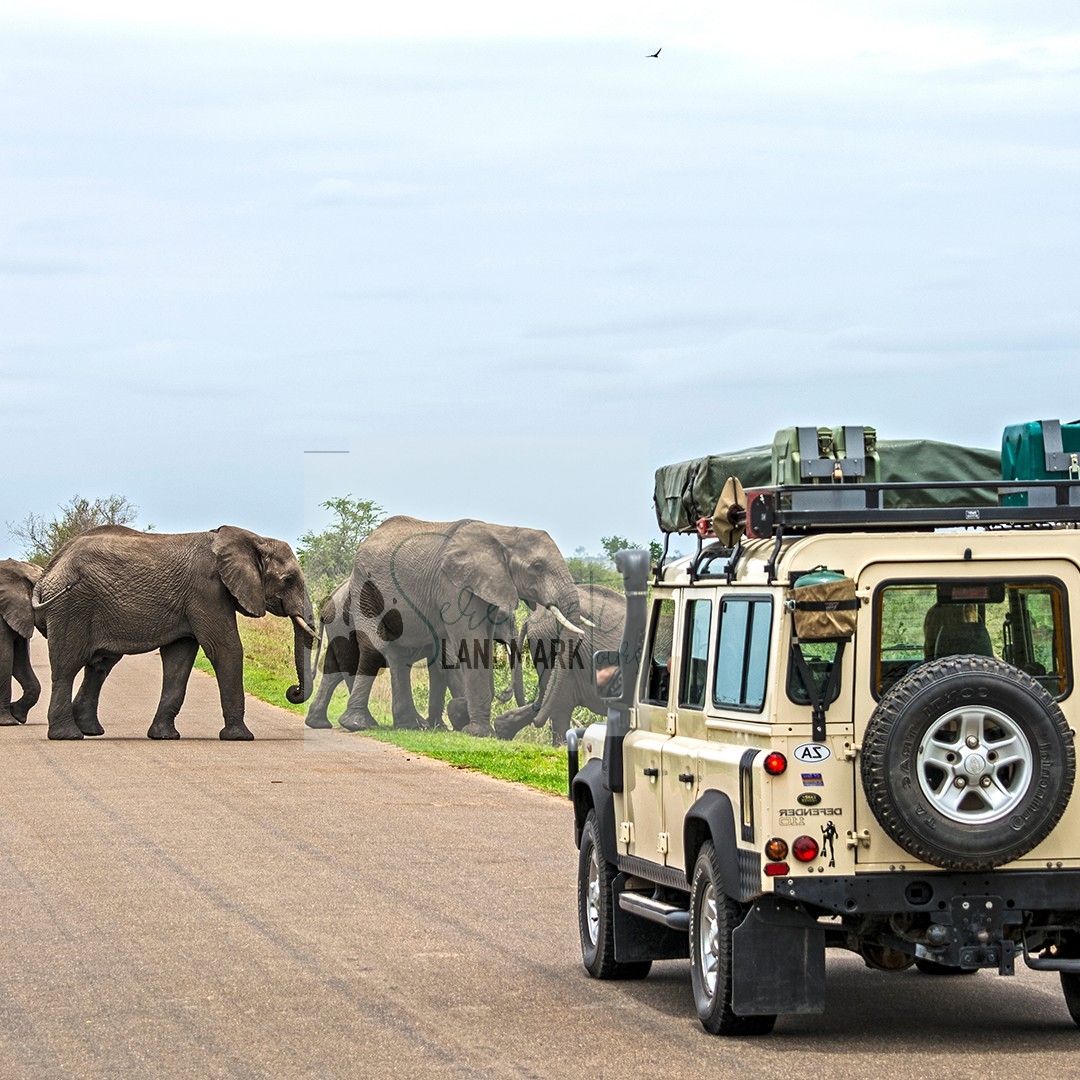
967 763
932 967
713 918
1070 986
595 910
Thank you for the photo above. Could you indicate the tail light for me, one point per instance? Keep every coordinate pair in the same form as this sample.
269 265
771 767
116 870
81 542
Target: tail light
776 869
805 849
776 849
775 763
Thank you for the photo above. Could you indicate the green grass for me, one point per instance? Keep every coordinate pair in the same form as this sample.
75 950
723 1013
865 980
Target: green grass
529 759
542 767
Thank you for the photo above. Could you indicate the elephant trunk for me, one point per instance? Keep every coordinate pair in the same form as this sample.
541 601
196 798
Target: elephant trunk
304 637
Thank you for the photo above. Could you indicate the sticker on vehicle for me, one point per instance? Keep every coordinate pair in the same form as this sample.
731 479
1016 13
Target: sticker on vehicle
812 779
812 751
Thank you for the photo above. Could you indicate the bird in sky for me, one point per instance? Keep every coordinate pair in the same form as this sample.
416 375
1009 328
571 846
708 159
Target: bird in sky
654 55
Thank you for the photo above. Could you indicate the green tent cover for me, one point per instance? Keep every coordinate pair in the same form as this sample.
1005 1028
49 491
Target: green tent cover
688 490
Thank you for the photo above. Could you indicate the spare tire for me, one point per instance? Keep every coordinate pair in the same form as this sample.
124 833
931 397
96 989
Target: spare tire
967 763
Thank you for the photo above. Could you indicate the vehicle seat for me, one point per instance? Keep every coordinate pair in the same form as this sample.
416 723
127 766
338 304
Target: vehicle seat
964 638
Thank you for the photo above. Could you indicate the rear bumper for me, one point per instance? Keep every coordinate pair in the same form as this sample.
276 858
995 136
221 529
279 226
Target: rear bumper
886 894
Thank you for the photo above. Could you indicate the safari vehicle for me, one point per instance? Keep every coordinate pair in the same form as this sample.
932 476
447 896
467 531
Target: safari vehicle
847 720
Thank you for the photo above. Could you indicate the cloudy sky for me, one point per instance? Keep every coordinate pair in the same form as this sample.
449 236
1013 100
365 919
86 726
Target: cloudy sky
508 263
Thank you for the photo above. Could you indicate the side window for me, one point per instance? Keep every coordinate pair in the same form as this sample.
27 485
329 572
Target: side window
657 673
819 657
742 653
695 654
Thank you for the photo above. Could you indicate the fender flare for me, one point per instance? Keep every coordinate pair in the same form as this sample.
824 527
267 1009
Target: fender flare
712 818
589 793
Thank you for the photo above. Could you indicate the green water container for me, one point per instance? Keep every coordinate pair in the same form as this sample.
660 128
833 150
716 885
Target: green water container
1040 450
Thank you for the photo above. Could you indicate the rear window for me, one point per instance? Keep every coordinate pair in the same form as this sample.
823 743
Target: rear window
1020 622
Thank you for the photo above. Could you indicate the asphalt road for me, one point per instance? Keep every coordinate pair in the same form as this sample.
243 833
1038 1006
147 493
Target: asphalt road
313 904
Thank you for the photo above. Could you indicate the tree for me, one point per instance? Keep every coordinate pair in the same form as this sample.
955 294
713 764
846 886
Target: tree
41 539
327 557
612 545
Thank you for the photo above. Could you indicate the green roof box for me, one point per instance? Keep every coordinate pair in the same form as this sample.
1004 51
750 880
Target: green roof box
1040 450
828 457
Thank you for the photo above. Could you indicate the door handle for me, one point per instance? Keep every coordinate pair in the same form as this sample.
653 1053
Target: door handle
686 777
651 772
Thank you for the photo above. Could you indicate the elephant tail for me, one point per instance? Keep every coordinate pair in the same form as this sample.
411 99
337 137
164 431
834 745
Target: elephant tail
37 602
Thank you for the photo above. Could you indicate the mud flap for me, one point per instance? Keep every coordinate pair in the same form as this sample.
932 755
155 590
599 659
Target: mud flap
778 961
641 939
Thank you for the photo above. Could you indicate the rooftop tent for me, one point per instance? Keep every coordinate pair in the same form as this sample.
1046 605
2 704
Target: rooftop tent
689 490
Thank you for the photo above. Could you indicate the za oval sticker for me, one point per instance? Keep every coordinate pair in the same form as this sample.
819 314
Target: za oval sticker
812 751
809 798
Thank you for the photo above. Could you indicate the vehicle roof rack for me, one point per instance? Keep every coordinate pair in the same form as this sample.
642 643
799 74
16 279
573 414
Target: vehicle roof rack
804 508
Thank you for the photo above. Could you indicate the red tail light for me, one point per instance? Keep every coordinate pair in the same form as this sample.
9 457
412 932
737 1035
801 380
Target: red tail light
776 869
805 849
775 763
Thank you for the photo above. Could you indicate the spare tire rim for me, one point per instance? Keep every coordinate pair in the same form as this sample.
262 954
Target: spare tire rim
975 765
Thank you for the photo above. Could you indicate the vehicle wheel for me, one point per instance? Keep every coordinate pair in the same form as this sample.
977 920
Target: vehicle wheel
713 917
932 967
595 915
967 763
1070 985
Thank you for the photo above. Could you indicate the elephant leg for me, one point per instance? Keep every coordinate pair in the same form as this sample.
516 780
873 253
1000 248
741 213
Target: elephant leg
316 714
437 685
61 721
7 664
402 704
177 660
84 708
227 658
357 716
480 692
26 678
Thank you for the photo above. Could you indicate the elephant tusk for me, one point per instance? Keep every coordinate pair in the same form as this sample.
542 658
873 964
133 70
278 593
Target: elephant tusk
302 625
587 622
560 617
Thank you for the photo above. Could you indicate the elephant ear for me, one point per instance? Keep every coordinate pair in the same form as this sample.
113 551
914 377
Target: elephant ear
476 562
239 564
16 587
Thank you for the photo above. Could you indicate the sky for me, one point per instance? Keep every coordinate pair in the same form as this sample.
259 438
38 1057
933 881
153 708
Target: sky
475 260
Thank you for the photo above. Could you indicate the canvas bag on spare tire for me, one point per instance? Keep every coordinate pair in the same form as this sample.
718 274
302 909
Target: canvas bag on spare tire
825 606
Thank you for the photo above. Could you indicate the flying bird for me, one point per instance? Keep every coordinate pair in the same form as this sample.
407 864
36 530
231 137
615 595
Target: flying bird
654 55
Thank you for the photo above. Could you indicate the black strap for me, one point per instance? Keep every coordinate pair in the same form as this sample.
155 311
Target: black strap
819 704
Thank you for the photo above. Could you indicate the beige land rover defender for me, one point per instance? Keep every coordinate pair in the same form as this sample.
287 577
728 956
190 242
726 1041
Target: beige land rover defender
846 721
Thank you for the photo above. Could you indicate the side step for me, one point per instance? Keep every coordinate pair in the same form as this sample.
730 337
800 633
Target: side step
658 911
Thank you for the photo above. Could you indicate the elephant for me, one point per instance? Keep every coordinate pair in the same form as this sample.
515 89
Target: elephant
447 590
113 591
342 658
17 581
564 664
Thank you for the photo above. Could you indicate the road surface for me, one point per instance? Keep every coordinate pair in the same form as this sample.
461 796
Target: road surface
314 904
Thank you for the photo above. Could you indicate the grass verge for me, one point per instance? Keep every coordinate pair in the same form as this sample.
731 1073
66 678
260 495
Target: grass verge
529 759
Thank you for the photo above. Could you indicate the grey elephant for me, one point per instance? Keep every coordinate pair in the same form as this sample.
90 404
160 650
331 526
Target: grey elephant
447 590
17 581
114 591
341 658
564 663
